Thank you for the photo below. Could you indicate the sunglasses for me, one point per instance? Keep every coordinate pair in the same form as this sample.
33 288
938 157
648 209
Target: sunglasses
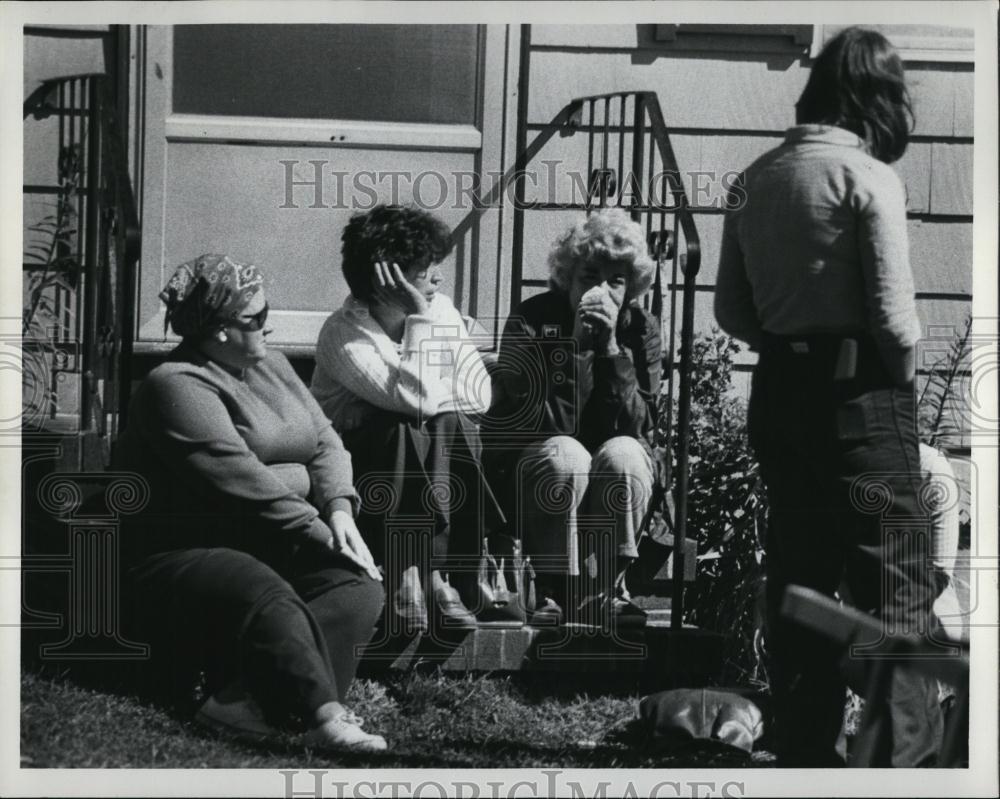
253 323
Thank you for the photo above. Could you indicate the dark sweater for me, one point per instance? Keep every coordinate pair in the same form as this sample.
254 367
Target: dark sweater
248 462
547 388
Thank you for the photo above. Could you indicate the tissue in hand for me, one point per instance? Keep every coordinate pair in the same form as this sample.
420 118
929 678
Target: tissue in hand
596 293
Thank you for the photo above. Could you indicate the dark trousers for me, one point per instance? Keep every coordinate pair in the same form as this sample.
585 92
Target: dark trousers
424 499
841 465
292 638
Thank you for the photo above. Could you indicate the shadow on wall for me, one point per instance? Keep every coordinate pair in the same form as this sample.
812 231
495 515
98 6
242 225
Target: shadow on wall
52 52
779 46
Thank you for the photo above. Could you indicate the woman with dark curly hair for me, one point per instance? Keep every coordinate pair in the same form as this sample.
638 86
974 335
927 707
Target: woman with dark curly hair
399 377
814 273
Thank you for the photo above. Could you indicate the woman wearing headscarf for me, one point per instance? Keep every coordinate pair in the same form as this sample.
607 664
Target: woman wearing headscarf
814 274
246 563
578 379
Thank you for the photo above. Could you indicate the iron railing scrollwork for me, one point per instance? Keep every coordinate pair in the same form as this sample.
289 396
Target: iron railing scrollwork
630 164
87 284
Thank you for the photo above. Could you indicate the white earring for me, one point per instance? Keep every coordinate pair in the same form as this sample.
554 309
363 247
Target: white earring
222 337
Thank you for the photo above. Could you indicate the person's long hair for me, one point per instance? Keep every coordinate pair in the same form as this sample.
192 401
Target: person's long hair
857 83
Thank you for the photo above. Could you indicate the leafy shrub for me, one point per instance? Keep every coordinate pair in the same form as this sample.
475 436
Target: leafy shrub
943 406
726 511
940 402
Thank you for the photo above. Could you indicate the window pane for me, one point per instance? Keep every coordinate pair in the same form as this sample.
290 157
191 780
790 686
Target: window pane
378 73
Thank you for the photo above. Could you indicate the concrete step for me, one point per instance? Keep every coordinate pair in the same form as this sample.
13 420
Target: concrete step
653 649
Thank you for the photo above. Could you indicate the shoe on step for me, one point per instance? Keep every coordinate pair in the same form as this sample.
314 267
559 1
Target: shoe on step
548 614
409 613
449 612
615 611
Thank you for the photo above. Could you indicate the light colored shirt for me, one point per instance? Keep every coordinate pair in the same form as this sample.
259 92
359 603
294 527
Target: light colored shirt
816 242
435 368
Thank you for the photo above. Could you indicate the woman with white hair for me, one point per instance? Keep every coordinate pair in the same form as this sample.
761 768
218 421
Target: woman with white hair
576 386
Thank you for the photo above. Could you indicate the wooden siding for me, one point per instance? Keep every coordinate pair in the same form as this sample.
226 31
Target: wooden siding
940 254
951 178
41 151
754 92
49 53
727 109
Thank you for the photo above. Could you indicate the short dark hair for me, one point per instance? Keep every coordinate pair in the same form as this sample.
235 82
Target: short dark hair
857 83
409 237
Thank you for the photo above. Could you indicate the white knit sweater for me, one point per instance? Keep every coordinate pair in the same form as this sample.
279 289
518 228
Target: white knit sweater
435 368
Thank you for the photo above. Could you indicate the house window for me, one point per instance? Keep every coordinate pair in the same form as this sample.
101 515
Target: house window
373 73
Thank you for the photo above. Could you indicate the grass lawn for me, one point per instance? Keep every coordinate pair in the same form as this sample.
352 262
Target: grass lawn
431 720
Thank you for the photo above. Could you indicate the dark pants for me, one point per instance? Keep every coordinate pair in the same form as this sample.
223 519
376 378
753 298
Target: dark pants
291 638
424 499
841 465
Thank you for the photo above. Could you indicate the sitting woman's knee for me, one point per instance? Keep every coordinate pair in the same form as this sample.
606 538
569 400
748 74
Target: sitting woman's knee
564 456
622 454
238 575
370 598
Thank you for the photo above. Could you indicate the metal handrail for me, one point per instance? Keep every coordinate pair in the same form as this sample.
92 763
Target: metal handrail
647 118
108 244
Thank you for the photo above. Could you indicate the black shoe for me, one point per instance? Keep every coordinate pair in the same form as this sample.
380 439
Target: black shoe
241 719
602 611
548 614
449 612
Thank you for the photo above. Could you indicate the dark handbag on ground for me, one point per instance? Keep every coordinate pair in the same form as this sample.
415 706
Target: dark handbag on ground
689 713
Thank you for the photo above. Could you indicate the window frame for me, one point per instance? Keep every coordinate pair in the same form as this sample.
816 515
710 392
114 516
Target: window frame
223 128
485 143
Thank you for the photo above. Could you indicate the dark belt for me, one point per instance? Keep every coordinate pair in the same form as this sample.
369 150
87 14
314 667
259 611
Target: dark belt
836 357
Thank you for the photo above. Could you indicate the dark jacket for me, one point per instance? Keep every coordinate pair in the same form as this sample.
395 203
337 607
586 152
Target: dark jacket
544 387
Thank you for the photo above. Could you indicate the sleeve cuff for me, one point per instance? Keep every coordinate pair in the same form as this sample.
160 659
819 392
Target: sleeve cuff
417 328
341 503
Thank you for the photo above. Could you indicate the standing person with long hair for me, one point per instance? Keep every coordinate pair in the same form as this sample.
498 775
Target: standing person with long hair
814 274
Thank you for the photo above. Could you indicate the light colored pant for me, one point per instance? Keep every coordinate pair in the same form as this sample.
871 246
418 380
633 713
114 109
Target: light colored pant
564 494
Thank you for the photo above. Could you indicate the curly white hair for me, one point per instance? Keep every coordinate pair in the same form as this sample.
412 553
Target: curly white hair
608 235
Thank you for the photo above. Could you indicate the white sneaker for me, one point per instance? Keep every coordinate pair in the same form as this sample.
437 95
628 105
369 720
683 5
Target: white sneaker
344 734
240 719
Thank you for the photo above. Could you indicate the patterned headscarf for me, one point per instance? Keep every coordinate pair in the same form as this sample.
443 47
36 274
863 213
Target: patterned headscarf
208 291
